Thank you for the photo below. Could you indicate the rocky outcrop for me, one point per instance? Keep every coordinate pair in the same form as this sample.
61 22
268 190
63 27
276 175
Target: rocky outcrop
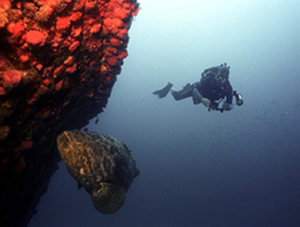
58 63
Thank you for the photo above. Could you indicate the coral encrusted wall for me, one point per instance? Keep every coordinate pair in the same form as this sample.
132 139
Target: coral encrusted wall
58 63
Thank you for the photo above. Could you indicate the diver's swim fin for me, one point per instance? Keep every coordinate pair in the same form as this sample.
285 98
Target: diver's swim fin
163 92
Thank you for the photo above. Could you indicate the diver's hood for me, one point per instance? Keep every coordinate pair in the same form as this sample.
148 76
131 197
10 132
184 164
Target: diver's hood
223 72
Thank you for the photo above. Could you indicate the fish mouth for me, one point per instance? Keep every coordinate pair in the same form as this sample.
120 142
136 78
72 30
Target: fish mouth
66 135
63 141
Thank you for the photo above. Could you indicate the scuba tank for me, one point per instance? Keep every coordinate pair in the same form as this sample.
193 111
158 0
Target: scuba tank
238 98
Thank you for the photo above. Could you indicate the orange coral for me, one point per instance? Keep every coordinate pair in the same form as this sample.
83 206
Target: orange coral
76 31
75 16
74 45
44 13
69 61
46 82
115 42
16 29
57 5
122 33
107 79
63 23
121 12
58 71
59 85
104 68
95 28
90 5
39 67
112 61
135 11
36 38
5 5
24 58
72 69
122 54
113 23
11 78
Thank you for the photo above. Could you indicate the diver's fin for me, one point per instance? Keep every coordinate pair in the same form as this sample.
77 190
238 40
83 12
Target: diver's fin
163 92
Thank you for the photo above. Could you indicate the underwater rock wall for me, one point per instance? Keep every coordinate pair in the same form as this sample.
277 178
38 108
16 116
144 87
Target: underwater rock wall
58 63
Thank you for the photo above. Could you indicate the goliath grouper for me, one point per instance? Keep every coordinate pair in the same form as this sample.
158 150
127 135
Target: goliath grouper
103 165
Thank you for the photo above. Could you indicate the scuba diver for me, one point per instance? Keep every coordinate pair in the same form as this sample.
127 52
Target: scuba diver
211 90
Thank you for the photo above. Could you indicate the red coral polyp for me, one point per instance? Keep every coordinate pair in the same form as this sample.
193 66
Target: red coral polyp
104 68
110 23
16 29
63 23
107 79
12 78
95 28
59 85
72 69
24 58
75 16
44 13
112 61
89 5
69 61
5 4
122 54
76 32
74 46
58 71
36 38
115 42
121 33
135 12
122 13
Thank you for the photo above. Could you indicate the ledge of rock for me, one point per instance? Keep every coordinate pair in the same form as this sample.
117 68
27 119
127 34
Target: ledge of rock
59 60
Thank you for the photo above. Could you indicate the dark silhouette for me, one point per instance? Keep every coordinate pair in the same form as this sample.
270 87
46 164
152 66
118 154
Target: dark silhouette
211 90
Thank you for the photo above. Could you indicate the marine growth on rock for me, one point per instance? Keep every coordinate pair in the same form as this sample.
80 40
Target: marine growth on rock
59 60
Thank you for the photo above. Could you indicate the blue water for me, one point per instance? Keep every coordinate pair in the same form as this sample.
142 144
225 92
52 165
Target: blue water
198 168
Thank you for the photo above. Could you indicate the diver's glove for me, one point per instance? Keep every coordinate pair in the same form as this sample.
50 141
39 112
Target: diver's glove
226 106
206 102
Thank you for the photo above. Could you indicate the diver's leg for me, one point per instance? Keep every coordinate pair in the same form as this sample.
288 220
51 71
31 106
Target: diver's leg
186 92
164 91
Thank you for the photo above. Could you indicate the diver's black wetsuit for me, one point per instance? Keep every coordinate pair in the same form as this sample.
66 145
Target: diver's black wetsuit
212 88
208 89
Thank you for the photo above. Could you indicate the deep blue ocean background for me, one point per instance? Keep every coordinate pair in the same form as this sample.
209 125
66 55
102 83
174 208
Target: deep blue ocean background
198 168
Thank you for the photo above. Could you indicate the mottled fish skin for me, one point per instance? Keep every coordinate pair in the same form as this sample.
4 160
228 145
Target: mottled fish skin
93 157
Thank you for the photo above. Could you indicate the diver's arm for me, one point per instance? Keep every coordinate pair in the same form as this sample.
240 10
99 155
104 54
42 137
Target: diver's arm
229 94
227 105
